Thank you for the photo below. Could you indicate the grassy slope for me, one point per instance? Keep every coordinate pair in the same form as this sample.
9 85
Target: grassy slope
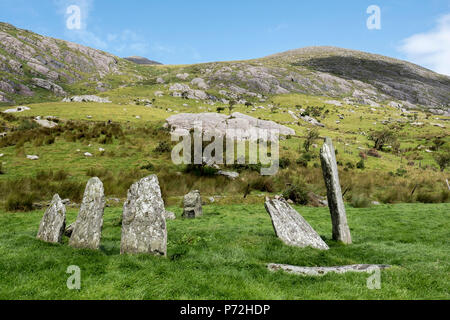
223 256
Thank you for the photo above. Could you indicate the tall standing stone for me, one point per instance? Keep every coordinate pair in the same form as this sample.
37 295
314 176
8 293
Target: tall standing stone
53 222
192 204
341 231
87 231
291 227
144 224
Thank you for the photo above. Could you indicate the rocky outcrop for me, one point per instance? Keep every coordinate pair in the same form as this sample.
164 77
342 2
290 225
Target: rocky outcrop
87 98
87 231
341 231
26 55
291 227
53 222
192 204
144 224
243 126
50 86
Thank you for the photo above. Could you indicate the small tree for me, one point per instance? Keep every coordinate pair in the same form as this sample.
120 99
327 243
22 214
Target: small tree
310 138
382 137
231 105
443 159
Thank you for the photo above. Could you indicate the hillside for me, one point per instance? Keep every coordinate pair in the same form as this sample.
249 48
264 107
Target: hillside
34 67
119 134
142 60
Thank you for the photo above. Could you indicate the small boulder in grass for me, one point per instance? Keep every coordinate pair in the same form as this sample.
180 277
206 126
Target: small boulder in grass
373 153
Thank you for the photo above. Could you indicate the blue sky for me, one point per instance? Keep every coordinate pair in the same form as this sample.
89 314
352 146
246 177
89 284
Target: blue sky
184 32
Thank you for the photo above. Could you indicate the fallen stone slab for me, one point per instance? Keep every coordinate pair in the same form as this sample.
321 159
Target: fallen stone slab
291 227
321 271
53 222
144 224
88 226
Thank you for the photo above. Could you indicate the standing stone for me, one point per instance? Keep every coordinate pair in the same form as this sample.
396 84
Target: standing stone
53 222
291 227
144 223
87 231
341 231
192 205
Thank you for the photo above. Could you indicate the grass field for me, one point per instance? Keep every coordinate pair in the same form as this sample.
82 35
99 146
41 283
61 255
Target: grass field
224 254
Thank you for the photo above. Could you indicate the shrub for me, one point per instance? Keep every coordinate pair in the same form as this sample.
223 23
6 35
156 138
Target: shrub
360 201
264 184
382 137
361 165
148 166
297 193
200 170
163 147
310 138
302 162
19 202
443 160
284 162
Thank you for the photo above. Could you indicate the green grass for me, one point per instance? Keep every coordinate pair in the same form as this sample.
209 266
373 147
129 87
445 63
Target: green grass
223 255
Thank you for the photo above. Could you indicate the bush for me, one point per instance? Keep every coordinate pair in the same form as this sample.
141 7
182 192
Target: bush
1 168
360 201
284 163
263 184
297 193
361 165
19 202
148 166
200 170
163 147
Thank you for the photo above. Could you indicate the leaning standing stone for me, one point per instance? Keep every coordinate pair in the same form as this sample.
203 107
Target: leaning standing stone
291 227
53 222
341 231
144 224
88 227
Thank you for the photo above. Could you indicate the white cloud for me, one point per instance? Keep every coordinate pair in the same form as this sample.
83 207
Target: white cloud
430 49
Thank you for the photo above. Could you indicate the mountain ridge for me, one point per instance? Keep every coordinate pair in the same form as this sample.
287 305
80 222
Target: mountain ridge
33 65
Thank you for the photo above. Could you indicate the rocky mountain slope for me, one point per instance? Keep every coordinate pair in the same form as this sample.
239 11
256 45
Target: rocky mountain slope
30 64
142 60
356 77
